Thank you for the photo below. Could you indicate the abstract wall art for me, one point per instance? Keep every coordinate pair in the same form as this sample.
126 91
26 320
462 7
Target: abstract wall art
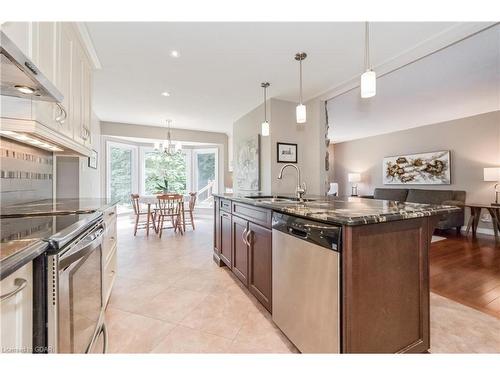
430 168
247 164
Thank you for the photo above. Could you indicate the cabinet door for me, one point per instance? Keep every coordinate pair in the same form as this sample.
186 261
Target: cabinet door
225 238
240 249
260 264
86 100
216 227
16 312
64 73
45 51
76 92
45 48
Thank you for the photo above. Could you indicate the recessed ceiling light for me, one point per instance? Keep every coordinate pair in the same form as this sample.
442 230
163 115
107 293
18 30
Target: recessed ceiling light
174 53
25 89
165 93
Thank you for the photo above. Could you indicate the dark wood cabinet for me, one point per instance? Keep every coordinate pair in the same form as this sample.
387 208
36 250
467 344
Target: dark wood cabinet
225 251
386 287
260 264
217 233
216 227
243 242
240 249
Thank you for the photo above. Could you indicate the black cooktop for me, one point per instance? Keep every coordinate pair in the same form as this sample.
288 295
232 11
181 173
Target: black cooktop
56 207
17 234
39 227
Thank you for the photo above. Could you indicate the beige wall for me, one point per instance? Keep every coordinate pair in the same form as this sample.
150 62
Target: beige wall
90 186
283 128
248 126
474 143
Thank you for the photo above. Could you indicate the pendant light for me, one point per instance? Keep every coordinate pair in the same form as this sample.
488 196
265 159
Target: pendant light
369 77
265 125
300 111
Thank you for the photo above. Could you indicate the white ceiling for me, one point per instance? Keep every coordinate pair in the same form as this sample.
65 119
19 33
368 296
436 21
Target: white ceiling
459 81
217 78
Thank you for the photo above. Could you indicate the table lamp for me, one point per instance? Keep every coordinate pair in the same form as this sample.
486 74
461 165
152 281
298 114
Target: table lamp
493 175
354 177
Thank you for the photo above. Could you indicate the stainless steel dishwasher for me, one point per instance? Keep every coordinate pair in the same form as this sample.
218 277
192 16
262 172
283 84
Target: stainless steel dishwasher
306 282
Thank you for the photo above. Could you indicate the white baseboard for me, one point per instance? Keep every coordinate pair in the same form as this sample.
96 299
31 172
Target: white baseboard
481 230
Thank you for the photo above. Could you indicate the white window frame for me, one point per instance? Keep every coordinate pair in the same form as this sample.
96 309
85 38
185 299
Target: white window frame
134 170
205 150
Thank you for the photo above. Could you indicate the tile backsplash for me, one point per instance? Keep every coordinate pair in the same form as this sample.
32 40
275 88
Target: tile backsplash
25 173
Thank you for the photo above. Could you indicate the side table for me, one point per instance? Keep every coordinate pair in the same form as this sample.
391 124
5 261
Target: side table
475 216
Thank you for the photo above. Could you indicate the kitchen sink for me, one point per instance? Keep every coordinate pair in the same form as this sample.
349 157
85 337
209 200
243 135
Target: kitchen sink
278 199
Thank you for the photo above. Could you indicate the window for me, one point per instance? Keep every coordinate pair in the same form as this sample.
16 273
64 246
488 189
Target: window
134 169
205 174
163 172
121 172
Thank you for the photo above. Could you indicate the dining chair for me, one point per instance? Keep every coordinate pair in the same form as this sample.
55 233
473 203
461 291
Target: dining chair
139 212
170 206
190 208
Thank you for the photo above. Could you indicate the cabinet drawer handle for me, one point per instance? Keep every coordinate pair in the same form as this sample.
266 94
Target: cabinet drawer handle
20 283
244 236
247 238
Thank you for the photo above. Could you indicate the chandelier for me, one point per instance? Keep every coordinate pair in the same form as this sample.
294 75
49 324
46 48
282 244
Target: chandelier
168 147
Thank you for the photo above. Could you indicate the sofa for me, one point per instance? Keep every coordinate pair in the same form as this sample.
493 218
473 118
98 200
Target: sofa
447 197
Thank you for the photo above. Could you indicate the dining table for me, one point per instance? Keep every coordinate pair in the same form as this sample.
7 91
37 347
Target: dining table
149 200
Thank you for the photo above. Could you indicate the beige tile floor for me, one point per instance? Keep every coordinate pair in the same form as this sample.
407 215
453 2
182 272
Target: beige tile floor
170 297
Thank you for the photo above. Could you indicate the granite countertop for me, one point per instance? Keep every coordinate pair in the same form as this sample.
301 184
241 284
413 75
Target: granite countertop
57 207
24 228
345 210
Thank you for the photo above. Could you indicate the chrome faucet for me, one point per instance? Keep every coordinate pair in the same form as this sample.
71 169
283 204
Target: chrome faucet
301 187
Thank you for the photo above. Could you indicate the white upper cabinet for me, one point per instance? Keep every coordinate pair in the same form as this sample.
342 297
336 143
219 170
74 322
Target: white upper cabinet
86 101
44 48
64 76
57 50
21 34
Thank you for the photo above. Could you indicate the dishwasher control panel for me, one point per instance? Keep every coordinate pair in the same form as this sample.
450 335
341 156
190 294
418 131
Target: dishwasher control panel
325 235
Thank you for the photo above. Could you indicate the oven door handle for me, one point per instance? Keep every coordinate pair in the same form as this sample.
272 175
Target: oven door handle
92 241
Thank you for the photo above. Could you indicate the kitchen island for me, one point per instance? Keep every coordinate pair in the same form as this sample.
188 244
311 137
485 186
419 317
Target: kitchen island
383 262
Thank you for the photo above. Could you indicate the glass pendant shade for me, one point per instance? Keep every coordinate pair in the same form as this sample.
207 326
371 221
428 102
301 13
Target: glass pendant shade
178 147
157 146
300 113
368 84
265 129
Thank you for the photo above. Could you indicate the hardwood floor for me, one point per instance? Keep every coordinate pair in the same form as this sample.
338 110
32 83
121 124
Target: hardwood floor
467 271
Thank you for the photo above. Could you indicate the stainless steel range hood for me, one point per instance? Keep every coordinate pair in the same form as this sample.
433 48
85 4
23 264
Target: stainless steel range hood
21 78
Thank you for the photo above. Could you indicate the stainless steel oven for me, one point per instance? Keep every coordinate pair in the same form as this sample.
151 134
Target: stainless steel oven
75 312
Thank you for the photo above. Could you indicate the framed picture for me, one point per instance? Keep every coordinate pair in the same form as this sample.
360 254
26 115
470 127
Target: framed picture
286 152
430 168
93 160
